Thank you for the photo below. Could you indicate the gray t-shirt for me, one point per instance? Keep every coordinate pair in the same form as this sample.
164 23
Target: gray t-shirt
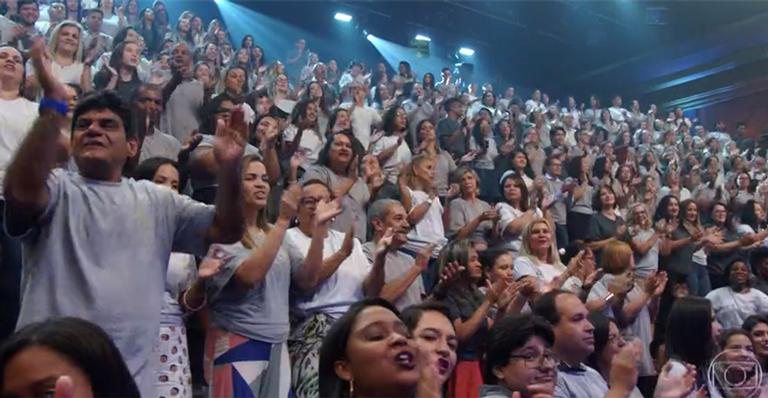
160 144
100 251
463 211
181 111
353 204
261 313
396 265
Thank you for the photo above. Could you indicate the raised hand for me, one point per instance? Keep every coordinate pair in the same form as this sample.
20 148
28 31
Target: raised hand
326 211
470 156
289 202
229 144
489 215
297 159
348 243
383 245
449 274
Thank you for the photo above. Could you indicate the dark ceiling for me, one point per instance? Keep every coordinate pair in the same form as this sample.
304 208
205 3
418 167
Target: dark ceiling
674 52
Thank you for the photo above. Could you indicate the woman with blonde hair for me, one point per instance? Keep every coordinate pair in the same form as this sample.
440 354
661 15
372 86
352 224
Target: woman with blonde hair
539 260
65 52
471 217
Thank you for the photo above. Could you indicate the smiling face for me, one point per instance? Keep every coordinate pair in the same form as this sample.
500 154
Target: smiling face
739 274
341 151
425 169
436 335
68 40
673 208
607 198
512 191
691 213
759 335
529 364
380 356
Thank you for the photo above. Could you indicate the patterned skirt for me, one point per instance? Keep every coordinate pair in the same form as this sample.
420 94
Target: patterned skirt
173 377
236 366
304 346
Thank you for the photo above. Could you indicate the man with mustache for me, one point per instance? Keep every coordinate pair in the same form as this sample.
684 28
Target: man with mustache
574 341
403 285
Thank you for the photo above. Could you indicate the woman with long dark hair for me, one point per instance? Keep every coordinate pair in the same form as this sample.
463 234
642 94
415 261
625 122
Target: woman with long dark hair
392 149
515 212
153 41
608 342
122 72
337 166
691 335
302 134
432 329
314 92
470 309
69 355
248 299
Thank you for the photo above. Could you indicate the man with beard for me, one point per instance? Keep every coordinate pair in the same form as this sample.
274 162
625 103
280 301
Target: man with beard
20 30
574 342
149 99
402 282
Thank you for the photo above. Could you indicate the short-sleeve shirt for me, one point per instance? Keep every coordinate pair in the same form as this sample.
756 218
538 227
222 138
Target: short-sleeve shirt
181 111
311 142
580 381
462 212
260 313
602 227
544 273
160 144
342 289
649 263
402 155
430 228
353 204
445 128
681 260
396 265
508 214
462 303
732 308
640 328
100 252
16 118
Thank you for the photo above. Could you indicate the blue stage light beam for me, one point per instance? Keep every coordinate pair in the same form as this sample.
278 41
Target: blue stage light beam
393 53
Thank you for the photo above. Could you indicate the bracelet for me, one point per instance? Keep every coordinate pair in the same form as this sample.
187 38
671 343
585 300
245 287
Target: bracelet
186 304
608 297
60 107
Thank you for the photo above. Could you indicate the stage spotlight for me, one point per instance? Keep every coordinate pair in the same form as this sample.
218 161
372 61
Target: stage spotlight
340 16
369 37
422 38
466 51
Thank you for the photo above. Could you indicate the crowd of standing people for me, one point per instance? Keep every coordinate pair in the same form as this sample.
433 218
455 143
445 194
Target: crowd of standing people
176 203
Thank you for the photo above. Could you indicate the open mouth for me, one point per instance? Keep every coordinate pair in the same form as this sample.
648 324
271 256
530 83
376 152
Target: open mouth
405 360
443 366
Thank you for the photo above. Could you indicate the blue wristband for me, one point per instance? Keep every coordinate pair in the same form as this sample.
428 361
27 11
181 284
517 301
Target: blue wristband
60 107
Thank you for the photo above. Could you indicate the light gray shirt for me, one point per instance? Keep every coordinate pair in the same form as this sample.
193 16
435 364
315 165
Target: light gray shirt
181 111
261 313
160 144
396 265
353 204
100 251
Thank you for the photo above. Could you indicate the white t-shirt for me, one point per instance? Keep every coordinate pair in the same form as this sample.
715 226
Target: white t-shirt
618 115
342 289
508 214
69 74
649 263
430 228
16 118
544 273
731 308
391 167
311 142
363 118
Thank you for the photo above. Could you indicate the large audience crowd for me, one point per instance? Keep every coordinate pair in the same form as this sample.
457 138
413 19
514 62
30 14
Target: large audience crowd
333 229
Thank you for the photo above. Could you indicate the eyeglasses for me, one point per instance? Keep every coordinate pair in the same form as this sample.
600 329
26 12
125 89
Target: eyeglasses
534 360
